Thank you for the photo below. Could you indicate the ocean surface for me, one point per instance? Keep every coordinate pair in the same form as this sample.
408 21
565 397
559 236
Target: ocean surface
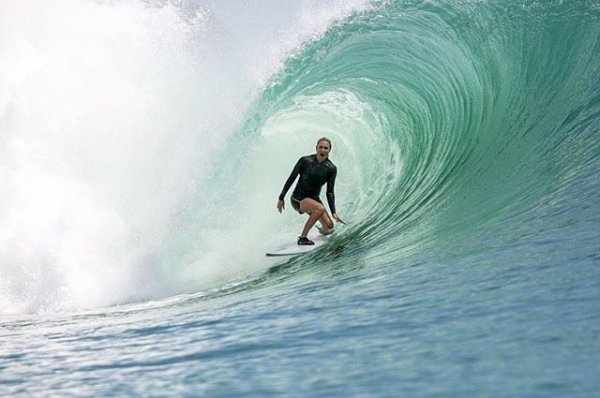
143 145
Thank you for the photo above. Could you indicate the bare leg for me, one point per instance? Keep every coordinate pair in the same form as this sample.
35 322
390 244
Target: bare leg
315 210
326 221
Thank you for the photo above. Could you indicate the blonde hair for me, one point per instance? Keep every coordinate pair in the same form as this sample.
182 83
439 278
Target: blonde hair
325 139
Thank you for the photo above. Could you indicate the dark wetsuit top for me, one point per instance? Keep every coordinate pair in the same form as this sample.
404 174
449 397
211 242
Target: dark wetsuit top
313 175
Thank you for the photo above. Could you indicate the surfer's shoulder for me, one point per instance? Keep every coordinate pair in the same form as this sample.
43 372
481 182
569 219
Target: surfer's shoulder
308 159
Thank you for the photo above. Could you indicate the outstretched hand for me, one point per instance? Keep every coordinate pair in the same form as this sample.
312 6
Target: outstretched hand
280 205
338 218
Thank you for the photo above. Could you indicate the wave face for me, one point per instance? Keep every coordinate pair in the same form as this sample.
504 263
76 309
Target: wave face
463 129
143 156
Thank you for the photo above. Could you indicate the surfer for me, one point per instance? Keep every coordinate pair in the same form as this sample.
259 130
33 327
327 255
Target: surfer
314 170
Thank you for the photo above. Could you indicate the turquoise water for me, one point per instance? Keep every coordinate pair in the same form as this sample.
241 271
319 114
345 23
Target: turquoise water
466 135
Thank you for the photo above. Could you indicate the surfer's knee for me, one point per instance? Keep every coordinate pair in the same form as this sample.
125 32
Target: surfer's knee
319 210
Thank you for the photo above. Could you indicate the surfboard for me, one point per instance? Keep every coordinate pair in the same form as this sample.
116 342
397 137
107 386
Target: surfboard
293 249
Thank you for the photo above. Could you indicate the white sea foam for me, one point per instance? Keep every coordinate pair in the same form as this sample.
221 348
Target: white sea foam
112 117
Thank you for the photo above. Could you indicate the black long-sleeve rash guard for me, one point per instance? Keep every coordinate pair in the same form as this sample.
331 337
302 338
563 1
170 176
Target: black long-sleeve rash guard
313 175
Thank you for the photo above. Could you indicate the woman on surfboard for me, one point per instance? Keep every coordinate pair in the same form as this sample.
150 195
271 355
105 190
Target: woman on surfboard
314 170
